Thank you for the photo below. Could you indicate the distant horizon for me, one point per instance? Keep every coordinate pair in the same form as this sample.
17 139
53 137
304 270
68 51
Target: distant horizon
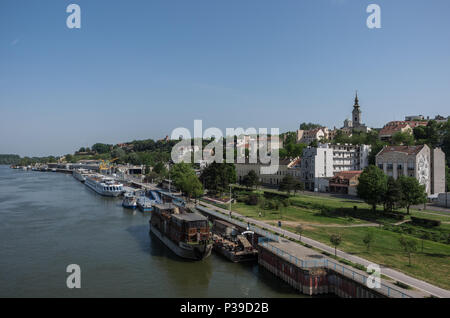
138 70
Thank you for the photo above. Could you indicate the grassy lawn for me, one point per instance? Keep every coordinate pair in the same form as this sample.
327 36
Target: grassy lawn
432 265
292 213
437 216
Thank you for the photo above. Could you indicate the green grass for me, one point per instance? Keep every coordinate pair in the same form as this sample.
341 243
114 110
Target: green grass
292 213
432 265
438 216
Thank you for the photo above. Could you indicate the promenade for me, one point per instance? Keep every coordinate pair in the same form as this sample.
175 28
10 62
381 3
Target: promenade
389 272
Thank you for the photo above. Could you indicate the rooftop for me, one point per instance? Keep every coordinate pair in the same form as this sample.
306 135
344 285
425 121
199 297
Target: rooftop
189 217
410 150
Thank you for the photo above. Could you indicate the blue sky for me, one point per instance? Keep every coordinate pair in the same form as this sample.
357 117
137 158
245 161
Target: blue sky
138 69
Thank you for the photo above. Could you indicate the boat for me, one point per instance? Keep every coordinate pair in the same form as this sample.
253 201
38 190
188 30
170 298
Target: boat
186 234
80 174
144 204
104 185
231 244
129 201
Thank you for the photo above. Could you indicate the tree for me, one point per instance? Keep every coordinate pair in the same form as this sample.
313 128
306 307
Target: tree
217 177
375 149
250 179
299 186
69 158
393 195
372 186
101 148
408 245
341 138
119 153
160 168
308 126
184 178
191 186
335 240
403 138
368 239
314 143
412 192
287 183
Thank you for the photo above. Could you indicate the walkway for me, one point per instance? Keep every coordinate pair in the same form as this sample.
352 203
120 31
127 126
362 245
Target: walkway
394 274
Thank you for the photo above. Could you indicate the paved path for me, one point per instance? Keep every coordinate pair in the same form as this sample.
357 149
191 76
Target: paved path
394 274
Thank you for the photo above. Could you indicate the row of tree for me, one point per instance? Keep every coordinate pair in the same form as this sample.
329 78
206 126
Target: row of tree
376 188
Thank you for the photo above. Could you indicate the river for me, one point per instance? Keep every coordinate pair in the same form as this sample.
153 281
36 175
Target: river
49 220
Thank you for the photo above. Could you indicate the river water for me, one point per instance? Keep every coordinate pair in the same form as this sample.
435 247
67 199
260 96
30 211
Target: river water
49 220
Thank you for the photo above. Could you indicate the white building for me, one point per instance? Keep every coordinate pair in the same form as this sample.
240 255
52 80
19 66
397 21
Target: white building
347 157
286 167
316 166
320 164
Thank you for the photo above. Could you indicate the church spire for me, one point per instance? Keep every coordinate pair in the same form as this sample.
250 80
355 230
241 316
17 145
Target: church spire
356 99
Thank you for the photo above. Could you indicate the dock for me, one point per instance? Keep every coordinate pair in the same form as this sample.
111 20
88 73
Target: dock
311 272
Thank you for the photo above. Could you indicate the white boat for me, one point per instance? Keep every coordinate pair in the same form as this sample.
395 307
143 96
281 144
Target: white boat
129 201
104 185
80 174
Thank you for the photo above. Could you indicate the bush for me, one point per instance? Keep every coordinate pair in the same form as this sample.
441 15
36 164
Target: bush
274 195
425 222
252 199
402 285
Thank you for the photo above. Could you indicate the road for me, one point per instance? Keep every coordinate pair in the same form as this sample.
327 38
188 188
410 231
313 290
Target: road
394 274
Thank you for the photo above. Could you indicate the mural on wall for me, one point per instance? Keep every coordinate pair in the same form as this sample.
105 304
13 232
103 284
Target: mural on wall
423 171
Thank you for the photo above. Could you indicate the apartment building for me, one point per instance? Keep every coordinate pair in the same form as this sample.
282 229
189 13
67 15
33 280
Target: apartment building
425 164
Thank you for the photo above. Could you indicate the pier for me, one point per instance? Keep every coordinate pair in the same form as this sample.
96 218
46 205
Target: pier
311 272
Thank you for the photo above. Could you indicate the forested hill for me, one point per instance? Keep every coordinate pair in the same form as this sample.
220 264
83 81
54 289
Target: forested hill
9 159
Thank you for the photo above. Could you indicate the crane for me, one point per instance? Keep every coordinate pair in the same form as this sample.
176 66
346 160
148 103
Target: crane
106 165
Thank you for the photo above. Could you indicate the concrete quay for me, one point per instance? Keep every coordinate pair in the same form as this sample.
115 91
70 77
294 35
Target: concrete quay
308 271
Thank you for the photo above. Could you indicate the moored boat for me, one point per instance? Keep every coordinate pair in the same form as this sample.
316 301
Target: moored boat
129 201
186 234
80 174
104 185
144 204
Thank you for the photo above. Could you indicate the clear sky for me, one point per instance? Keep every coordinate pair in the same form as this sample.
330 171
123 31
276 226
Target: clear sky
140 68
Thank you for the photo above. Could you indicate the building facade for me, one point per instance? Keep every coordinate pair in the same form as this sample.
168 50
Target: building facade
320 164
347 157
345 182
308 136
425 164
286 167
316 167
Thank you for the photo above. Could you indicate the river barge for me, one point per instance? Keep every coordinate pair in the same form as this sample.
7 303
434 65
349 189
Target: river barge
228 242
185 233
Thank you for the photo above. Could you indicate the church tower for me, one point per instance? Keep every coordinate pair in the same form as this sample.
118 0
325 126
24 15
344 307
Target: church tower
356 113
